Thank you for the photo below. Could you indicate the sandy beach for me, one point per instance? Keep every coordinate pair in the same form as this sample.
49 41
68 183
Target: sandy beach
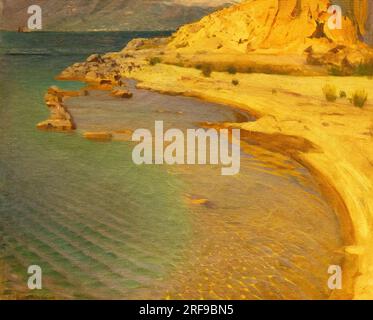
333 140
278 77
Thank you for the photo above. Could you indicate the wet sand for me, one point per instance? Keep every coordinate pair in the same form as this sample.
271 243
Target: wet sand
333 140
264 234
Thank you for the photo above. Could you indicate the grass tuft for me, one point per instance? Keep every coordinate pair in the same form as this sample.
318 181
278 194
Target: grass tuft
330 92
342 94
365 68
359 98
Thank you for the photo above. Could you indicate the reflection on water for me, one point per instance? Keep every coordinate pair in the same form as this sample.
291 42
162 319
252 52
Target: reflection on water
259 235
102 112
264 233
101 227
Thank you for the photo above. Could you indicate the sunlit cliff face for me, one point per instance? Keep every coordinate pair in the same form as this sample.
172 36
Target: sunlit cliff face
361 11
78 15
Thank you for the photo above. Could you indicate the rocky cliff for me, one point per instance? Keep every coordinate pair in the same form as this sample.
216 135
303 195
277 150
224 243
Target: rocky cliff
275 25
360 11
286 28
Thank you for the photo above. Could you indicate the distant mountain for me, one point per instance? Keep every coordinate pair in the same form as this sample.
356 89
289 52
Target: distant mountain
84 15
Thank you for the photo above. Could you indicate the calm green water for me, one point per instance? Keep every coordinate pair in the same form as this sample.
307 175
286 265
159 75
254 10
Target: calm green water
101 227
77 208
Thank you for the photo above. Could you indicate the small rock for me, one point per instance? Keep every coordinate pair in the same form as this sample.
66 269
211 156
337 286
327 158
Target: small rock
53 89
105 81
52 99
56 125
91 75
124 131
94 58
199 201
102 136
121 93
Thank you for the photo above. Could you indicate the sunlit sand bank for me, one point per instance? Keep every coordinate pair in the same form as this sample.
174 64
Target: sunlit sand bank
334 140
235 57
273 249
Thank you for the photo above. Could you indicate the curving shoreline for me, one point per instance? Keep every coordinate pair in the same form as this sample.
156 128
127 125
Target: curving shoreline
345 175
332 140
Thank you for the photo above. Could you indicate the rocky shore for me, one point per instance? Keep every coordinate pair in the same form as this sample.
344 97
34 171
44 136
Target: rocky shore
100 74
60 118
333 139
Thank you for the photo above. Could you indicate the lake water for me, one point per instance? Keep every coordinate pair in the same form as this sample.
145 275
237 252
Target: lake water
101 227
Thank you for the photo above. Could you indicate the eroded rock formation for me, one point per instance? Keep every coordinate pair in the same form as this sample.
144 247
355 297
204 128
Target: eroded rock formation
280 24
278 27
60 118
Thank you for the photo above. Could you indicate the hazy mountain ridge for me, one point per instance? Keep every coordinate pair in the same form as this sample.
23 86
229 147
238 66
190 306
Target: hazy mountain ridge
83 15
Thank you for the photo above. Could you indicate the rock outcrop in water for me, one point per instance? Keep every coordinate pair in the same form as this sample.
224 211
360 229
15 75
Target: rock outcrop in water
100 70
59 119
102 73
98 136
122 93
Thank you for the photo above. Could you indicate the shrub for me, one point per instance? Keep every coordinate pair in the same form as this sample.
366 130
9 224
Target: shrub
330 92
335 71
365 68
359 97
232 70
342 94
206 70
235 82
274 91
154 60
